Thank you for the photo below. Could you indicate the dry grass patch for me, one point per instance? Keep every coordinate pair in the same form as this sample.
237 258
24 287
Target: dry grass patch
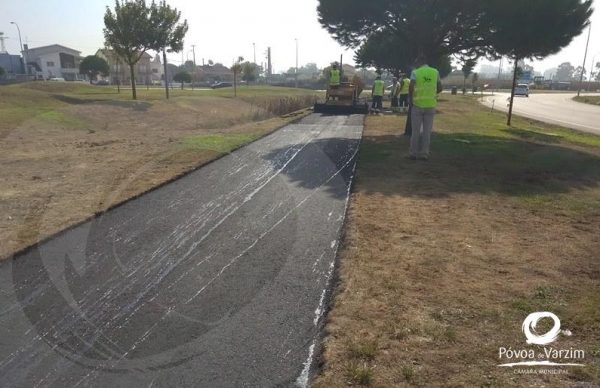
444 259
69 150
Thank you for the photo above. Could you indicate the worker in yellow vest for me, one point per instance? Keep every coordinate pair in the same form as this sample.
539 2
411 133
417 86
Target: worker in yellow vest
404 87
377 94
335 76
425 85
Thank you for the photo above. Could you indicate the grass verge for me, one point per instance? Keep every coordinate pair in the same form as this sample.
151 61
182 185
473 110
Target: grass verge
593 100
443 260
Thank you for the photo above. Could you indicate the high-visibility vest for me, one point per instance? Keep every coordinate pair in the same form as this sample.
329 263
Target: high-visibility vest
378 87
404 86
334 77
425 95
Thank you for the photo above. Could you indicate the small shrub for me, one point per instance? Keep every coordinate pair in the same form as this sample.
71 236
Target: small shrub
360 373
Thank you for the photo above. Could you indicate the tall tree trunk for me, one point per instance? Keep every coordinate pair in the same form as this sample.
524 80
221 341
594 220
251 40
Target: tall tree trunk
512 92
118 76
133 91
166 76
234 84
181 85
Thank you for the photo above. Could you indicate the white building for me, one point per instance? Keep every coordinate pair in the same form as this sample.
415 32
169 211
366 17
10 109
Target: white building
54 61
157 69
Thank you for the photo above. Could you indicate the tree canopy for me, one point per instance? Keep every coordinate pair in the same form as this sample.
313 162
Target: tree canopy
183 77
167 32
2 71
565 71
427 27
389 33
93 65
134 28
250 71
534 28
128 33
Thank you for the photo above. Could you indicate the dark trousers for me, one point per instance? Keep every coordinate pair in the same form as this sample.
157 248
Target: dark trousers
377 102
408 128
395 102
403 100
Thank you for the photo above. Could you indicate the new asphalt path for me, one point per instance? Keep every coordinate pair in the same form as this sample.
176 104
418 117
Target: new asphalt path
218 279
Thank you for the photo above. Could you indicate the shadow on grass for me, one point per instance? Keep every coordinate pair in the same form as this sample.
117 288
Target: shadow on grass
460 163
529 134
472 163
140 106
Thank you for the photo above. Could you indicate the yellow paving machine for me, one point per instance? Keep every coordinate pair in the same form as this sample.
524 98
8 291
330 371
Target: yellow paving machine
344 99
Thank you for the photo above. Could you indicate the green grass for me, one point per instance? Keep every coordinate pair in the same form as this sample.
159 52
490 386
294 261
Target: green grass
45 100
542 166
481 120
60 118
592 100
360 373
366 350
221 143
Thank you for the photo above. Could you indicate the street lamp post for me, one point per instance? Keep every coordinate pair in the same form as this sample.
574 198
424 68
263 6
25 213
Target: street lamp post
592 74
22 51
296 62
584 60
193 51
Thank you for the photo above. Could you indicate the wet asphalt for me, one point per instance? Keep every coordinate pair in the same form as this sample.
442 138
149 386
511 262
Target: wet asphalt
218 279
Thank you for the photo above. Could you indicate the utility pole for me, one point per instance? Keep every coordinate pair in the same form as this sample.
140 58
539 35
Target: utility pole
296 62
269 65
512 92
584 59
194 72
499 74
22 51
592 74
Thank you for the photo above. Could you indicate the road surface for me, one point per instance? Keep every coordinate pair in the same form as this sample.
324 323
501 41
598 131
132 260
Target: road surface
553 108
218 279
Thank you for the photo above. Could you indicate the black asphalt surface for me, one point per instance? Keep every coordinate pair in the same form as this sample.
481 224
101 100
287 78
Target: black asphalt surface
218 279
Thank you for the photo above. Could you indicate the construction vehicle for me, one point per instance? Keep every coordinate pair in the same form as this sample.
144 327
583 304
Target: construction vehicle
344 99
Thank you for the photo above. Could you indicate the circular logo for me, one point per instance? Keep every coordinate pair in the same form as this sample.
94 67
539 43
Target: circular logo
530 325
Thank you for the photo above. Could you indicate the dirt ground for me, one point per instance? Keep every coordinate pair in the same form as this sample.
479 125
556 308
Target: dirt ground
443 260
75 157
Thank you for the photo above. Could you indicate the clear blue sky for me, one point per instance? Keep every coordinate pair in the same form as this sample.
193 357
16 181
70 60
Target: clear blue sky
220 30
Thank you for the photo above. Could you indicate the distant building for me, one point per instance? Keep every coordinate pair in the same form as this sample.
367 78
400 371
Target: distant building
157 70
119 70
214 73
54 61
12 64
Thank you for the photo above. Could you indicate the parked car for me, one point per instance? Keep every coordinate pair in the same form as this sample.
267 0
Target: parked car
522 90
219 85
57 79
102 82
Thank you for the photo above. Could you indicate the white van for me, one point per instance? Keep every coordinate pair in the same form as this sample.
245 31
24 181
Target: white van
522 90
